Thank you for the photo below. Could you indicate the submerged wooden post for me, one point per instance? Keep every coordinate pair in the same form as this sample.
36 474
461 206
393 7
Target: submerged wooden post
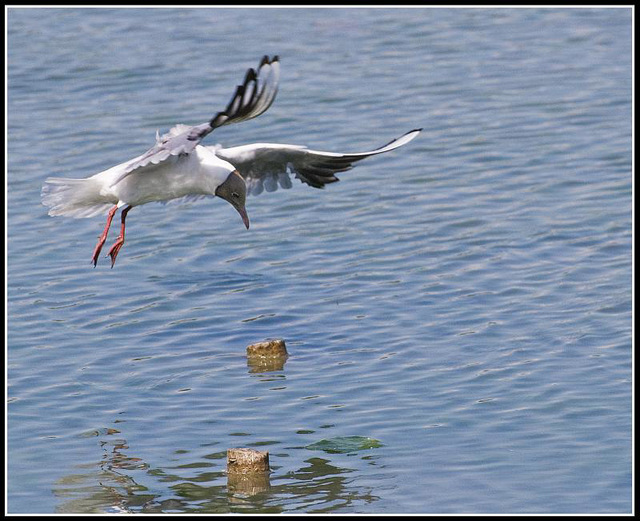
269 355
247 471
268 349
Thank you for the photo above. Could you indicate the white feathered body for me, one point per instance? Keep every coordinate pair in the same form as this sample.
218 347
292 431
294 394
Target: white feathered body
196 174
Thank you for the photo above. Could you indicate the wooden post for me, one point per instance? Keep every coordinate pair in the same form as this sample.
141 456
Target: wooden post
247 471
269 355
246 461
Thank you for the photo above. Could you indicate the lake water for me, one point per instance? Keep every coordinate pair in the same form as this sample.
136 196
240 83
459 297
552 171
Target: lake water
457 312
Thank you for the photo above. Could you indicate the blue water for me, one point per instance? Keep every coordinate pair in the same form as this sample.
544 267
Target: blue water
464 301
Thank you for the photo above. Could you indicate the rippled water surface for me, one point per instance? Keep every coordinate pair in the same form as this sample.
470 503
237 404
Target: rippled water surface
457 312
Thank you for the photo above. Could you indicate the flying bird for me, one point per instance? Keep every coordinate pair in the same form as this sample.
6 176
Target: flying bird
178 166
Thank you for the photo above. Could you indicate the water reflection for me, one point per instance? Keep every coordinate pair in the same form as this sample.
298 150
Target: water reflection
243 486
265 365
323 487
104 487
111 485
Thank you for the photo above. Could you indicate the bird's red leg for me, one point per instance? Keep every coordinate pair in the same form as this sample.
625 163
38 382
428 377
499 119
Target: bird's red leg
113 252
103 237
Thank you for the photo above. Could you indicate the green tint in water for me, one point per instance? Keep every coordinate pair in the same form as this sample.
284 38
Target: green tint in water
342 444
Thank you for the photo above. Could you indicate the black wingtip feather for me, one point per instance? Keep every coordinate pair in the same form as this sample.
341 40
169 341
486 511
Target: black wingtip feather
235 110
250 76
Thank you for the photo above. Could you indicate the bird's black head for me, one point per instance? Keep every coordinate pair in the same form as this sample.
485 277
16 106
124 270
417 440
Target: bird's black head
234 191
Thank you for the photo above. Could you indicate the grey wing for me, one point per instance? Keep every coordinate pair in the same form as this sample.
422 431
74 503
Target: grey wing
264 166
252 98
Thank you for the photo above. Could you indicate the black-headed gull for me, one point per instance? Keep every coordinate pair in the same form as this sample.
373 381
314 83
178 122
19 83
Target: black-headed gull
177 166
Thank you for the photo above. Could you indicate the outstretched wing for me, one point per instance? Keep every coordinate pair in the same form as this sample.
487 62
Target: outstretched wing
264 166
252 98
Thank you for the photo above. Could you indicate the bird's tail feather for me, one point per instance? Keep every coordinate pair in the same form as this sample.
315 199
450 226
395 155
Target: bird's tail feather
73 197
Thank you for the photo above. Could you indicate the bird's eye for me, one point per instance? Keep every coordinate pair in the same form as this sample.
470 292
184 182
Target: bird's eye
235 194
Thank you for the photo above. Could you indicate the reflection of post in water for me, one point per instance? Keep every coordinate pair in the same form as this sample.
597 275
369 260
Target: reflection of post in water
247 472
